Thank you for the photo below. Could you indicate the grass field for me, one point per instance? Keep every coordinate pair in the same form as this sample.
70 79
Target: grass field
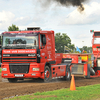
81 93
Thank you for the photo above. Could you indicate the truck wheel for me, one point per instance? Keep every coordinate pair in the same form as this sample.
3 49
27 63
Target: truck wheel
47 74
68 74
88 72
12 80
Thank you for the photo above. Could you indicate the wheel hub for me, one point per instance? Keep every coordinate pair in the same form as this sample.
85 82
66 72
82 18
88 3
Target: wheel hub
47 74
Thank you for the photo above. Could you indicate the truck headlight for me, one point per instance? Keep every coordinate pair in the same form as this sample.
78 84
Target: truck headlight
35 69
4 69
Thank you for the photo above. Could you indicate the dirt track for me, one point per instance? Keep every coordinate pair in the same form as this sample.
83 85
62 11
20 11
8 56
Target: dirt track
30 86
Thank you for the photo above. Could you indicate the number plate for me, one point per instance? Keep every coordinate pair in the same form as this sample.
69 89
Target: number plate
19 75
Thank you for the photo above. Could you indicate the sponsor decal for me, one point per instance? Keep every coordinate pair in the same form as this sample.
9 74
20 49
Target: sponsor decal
94 49
62 70
48 47
43 54
18 51
58 55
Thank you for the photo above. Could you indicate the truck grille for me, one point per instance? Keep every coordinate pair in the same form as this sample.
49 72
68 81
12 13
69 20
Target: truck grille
19 58
19 68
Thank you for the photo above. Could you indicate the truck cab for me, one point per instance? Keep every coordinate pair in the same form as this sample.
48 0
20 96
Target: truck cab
96 51
27 54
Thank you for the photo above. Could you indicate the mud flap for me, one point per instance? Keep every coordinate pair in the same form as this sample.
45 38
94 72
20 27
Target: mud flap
92 72
68 73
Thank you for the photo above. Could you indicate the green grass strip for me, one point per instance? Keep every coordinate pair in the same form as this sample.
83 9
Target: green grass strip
91 92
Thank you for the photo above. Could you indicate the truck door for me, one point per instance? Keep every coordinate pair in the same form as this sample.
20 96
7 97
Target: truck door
50 48
47 48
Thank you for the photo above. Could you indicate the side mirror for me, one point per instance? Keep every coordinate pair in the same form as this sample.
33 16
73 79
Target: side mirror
44 40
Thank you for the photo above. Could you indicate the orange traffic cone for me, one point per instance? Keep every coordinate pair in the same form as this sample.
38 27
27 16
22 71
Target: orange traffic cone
72 85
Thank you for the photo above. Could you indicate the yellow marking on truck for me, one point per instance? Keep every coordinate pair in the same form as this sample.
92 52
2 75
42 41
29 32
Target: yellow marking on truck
84 57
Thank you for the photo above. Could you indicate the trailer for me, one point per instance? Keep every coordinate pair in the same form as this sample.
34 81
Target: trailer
31 54
81 65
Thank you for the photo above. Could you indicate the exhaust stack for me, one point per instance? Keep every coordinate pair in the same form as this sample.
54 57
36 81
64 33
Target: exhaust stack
33 28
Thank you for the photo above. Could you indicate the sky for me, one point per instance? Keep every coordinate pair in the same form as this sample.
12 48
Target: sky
52 16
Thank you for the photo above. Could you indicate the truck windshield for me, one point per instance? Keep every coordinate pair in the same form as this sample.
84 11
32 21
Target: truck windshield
96 40
20 41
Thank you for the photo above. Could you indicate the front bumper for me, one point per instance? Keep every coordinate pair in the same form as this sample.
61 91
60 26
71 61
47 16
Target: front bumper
30 74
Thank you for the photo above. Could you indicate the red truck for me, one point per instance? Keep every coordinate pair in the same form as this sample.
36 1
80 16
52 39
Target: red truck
31 54
96 51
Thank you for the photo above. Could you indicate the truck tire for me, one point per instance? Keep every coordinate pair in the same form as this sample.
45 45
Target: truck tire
47 74
12 80
68 74
88 72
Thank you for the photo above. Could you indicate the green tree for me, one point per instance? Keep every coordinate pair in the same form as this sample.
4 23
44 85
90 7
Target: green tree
61 41
87 49
72 47
13 28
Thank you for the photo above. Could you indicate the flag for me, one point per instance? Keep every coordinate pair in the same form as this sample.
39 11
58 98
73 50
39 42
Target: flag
66 49
77 49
